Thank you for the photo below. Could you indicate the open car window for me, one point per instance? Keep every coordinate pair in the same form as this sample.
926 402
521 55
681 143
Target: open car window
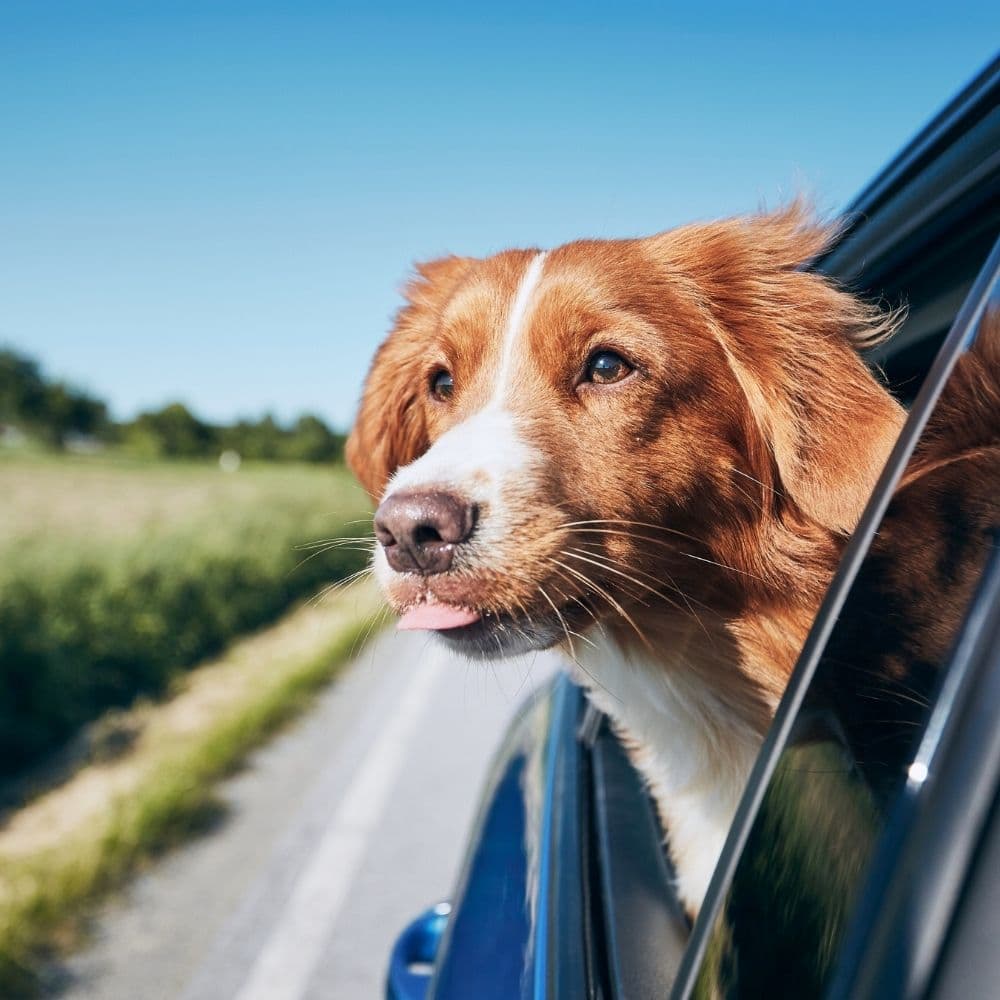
847 738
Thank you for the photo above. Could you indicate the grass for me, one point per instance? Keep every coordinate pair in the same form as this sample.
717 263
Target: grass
118 574
72 846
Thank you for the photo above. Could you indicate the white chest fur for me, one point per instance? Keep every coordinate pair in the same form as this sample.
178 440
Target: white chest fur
692 749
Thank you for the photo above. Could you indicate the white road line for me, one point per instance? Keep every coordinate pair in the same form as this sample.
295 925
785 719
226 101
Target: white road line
301 931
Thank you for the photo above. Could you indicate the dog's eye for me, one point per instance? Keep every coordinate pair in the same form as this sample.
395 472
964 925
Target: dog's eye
442 385
605 367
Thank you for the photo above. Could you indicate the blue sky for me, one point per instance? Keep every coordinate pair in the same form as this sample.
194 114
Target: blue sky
217 202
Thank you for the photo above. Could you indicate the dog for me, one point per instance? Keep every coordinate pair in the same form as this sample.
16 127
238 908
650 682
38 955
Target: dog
648 451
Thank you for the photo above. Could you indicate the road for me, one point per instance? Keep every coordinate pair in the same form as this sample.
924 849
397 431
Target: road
334 835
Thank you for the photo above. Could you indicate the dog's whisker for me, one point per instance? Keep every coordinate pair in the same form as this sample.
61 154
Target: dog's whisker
669 581
714 562
572 649
754 479
644 590
680 552
573 586
756 501
325 549
562 620
583 638
638 524
377 621
610 599
656 582
570 598
576 554
574 581
582 526
331 589
338 540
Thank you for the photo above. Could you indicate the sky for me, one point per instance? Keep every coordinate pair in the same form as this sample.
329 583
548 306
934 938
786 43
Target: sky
217 202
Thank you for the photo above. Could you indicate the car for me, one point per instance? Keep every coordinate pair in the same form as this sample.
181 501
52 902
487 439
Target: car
864 859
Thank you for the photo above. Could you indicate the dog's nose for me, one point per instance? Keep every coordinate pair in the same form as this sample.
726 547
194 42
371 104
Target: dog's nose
419 530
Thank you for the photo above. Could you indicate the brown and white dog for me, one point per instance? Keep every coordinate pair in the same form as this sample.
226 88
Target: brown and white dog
649 451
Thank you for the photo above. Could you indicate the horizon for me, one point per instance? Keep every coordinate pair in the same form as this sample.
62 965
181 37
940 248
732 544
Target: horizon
218 205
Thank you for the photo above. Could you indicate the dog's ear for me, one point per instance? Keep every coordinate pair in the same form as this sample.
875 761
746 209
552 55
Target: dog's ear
390 430
791 338
831 427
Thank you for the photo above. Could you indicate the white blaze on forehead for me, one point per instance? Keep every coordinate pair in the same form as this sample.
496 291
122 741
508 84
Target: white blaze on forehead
515 321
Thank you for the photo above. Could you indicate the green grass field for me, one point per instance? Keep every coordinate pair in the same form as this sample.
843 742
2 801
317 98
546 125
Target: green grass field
117 574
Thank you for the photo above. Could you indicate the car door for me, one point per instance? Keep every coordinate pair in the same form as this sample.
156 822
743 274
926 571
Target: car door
826 884
566 891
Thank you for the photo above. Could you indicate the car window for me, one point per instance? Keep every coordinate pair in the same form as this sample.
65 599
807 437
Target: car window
845 740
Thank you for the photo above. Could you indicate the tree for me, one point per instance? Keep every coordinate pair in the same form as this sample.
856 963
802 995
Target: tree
22 389
54 411
69 411
173 432
311 440
50 410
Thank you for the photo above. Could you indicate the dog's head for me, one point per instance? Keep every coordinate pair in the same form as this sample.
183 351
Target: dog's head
573 435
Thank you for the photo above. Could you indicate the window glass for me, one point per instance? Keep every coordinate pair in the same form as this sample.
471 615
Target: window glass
785 914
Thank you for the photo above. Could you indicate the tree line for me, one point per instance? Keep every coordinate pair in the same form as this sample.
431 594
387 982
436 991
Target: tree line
59 415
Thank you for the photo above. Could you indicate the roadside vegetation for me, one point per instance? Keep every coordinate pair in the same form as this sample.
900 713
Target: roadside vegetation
116 575
73 845
135 559
39 411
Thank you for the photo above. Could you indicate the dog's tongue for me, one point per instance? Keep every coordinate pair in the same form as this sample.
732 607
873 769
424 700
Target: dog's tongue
433 615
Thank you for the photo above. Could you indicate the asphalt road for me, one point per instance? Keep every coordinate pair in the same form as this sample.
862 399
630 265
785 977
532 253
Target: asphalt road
333 837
